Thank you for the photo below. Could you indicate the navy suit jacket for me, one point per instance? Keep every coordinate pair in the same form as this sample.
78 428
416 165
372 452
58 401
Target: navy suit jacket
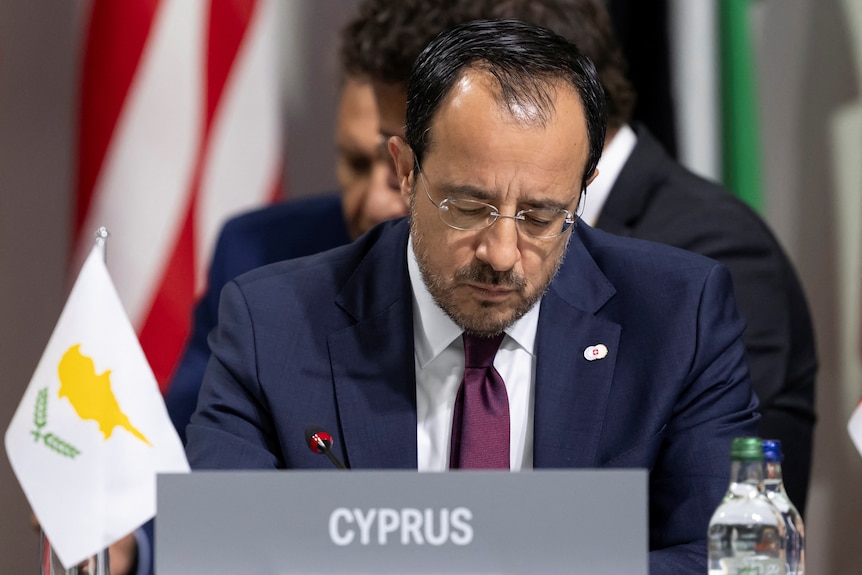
327 340
278 232
655 198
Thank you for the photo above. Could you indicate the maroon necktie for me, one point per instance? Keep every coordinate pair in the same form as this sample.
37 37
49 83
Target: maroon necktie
480 424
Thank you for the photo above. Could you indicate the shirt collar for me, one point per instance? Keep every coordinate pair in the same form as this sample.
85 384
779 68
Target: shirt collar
434 331
614 156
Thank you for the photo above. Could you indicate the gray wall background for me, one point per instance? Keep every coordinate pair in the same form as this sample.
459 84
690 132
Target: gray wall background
811 62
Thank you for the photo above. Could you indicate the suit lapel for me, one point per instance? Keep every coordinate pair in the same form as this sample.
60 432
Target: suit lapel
571 393
372 362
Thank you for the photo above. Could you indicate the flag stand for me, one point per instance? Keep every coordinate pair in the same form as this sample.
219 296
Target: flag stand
98 564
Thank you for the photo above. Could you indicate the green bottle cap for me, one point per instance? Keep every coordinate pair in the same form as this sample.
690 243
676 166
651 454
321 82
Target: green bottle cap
747 449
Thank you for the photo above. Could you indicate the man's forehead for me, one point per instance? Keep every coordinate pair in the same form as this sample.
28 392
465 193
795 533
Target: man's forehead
474 133
477 100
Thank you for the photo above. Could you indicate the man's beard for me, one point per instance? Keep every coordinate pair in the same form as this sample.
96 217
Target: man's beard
484 325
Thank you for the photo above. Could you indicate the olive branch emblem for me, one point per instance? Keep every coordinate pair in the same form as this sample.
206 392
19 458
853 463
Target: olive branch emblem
40 419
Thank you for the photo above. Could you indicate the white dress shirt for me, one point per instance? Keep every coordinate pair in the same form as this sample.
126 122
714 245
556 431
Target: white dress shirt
440 367
614 157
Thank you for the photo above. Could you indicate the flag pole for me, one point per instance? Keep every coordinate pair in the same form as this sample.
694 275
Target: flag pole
100 560
99 563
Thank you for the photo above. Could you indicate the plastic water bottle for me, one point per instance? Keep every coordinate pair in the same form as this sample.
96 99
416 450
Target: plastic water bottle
746 533
774 487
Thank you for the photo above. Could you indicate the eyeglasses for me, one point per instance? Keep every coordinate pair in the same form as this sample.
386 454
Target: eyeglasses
472 215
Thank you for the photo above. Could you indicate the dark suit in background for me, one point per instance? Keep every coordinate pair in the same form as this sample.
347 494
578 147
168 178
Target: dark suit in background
642 30
655 198
279 232
328 340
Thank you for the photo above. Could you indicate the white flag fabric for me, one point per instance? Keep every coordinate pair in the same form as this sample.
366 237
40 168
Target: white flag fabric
92 429
854 427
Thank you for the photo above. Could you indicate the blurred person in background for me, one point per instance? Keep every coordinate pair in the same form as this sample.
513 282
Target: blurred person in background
296 228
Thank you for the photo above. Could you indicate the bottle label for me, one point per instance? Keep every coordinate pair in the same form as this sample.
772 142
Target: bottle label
756 565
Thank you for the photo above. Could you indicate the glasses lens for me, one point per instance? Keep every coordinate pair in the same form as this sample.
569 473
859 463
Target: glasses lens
466 214
544 223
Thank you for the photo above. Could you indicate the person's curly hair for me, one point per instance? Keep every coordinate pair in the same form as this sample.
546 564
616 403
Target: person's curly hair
387 36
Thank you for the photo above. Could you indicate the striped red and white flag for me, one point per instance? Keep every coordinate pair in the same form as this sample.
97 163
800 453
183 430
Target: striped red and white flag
180 127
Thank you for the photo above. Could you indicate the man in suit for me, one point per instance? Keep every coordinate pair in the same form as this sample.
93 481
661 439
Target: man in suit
613 352
641 193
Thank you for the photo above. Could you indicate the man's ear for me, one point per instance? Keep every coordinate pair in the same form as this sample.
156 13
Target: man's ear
593 177
402 155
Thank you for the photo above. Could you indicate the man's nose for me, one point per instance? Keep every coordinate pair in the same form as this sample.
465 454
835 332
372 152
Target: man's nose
498 244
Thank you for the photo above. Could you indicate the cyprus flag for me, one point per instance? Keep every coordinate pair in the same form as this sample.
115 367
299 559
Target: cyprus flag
92 429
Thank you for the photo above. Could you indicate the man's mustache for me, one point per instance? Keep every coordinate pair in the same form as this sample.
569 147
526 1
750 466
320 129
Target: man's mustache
483 273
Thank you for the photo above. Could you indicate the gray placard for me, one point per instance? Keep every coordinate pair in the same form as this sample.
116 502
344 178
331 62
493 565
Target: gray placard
311 522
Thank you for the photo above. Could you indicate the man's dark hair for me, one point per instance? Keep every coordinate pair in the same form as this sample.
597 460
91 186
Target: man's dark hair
530 65
387 36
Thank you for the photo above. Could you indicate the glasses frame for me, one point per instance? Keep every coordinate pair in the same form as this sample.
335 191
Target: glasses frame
495 214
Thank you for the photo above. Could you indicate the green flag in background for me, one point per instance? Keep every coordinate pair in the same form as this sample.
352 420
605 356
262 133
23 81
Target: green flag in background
740 125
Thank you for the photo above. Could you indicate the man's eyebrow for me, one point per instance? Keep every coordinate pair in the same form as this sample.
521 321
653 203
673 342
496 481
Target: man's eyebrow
547 204
466 190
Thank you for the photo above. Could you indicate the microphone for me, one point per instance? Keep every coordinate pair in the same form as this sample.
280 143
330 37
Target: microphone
320 442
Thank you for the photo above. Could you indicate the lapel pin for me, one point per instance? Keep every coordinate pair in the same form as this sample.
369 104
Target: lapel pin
595 352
